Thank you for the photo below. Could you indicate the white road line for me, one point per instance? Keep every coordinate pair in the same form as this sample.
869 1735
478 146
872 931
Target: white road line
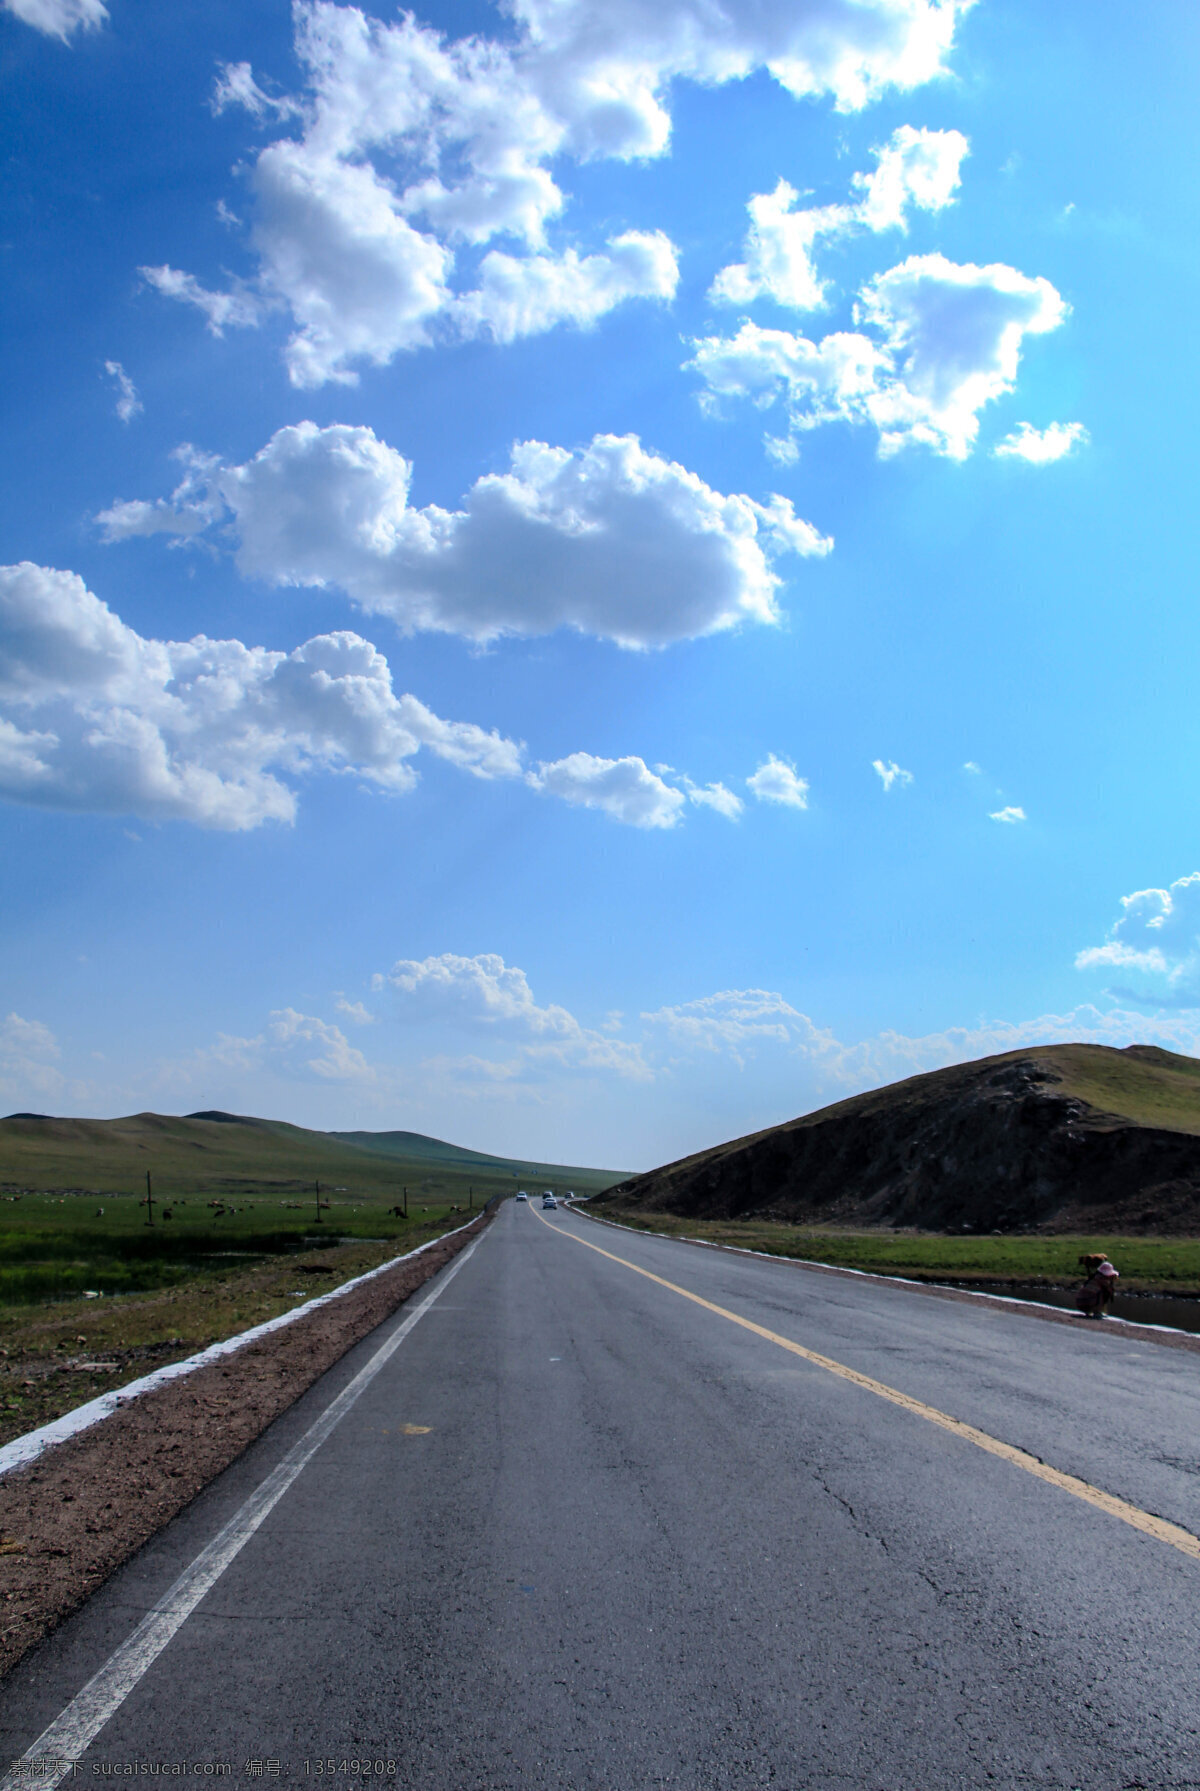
60 1746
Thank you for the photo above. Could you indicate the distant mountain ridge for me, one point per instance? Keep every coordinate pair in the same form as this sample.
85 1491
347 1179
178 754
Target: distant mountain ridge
1060 1138
213 1148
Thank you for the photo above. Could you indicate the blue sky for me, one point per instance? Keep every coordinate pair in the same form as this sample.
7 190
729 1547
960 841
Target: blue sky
588 580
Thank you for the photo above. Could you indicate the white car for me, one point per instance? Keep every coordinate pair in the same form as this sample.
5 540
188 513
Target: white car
548 1201
522 1195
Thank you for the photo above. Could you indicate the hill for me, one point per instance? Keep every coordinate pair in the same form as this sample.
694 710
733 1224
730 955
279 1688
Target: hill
1061 1138
229 1153
416 1147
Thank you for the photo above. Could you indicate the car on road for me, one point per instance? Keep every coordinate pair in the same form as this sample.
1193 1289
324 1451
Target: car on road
548 1200
522 1195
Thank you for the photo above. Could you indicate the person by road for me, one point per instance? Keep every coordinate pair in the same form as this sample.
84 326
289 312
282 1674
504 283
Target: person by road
1096 1294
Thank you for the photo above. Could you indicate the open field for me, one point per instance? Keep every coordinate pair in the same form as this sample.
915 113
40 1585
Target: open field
1147 1265
75 1215
56 1354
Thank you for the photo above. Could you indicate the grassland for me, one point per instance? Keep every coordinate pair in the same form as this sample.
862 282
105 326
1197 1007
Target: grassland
55 1354
1147 1265
1145 1085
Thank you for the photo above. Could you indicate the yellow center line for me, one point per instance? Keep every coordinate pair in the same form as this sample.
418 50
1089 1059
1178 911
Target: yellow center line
1133 1515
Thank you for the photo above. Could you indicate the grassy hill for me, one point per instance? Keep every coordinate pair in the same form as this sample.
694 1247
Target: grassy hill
227 1154
1063 1137
415 1147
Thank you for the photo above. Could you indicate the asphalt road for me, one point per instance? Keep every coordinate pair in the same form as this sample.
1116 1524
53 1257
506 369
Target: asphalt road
627 1542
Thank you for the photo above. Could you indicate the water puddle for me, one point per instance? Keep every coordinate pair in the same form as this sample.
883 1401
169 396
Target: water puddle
1143 1309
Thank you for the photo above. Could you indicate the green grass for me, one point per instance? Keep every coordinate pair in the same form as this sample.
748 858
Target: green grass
1148 1086
73 1213
56 1354
1147 1265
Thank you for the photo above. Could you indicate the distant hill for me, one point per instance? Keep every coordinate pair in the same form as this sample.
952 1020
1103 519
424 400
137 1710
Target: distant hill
226 1152
1062 1138
415 1146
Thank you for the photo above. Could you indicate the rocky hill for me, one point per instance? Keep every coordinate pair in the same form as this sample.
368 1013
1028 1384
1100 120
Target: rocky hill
1061 1138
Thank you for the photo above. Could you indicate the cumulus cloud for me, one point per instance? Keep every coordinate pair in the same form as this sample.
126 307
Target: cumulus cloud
779 252
891 774
776 781
128 405
916 167
947 340
762 1027
414 145
525 295
484 993
100 719
610 539
1010 816
59 18
96 718
296 1046
1040 446
1156 939
626 789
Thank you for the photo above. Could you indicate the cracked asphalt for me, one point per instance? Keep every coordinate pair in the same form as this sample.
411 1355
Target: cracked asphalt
583 1533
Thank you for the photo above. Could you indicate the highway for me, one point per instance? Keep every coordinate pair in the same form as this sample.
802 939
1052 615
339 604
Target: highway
602 1520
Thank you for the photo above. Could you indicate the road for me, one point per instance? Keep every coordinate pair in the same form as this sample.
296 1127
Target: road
583 1531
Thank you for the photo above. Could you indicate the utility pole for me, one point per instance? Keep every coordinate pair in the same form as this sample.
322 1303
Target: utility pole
149 1199
318 1199
471 1200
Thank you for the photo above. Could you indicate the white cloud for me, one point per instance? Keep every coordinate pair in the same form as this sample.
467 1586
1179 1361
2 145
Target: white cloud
947 340
1010 816
198 730
29 1054
1040 446
890 773
626 789
916 167
59 18
737 1021
610 539
297 1047
236 86
954 333
95 718
525 295
357 1011
776 781
973 768
714 796
1157 938
459 136
129 405
360 281
779 252
485 993
762 1027
237 309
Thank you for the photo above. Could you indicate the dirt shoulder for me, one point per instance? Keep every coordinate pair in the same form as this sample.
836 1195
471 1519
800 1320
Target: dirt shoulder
74 1515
